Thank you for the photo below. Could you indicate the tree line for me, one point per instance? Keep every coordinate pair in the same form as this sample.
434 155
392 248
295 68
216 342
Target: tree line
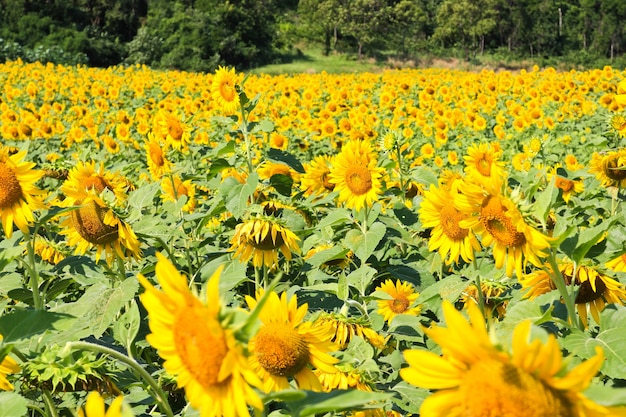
199 35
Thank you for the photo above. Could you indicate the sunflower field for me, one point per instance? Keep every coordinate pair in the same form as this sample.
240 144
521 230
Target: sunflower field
428 242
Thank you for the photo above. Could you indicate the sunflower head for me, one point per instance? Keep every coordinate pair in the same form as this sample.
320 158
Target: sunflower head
401 300
225 90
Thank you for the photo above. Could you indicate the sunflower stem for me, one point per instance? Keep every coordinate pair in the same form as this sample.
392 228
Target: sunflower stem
161 397
51 410
557 278
246 136
479 290
32 271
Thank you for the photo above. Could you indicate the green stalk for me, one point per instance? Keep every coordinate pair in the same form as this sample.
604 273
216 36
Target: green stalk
561 286
479 290
51 410
161 397
32 271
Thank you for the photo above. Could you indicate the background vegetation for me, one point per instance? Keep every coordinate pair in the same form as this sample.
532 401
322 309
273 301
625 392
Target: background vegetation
199 35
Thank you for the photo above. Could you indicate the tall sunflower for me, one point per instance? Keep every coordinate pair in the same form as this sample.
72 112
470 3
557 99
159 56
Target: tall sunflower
474 377
356 175
19 195
260 239
499 223
286 347
402 299
203 355
224 90
94 407
596 289
609 168
437 211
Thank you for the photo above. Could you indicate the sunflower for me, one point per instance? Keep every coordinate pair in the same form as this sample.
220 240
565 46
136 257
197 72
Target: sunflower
268 169
158 164
343 329
224 90
346 377
492 291
172 129
498 221
315 180
483 165
84 179
48 251
618 125
341 262
356 175
567 186
203 355
620 97
95 224
609 168
174 188
437 211
94 407
18 194
474 377
286 346
260 239
278 141
402 299
7 366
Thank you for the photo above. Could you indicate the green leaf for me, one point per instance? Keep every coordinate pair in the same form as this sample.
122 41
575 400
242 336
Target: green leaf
23 324
282 183
336 252
361 278
577 246
264 125
143 196
407 327
544 201
448 288
238 195
286 158
127 326
363 244
411 397
337 400
335 217
13 405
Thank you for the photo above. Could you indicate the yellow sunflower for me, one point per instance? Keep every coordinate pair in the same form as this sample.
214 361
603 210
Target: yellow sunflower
343 329
609 168
474 377
595 288
483 165
158 164
437 211
268 169
7 366
356 175
499 223
287 347
492 291
339 263
84 179
203 355
172 129
346 377
402 299
260 239
224 90
620 97
94 407
174 188
95 225
315 179
19 195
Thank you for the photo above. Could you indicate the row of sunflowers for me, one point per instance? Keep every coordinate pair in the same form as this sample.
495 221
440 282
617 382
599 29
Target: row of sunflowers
409 243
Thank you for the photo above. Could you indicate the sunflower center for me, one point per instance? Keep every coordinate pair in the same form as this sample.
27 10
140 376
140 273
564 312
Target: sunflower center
281 350
358 179
156 156
227 91
450 218
586 294
96 183
10 189
614 169
483 165
268 243
88 222
499 225
200 344
564 184
491 388
175 131
326 183
399 304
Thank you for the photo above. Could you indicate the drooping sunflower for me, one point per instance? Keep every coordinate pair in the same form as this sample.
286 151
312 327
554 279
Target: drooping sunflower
402 299
19 196
595 291
199 351
437 211
356 175
224 90
493 297
483 165
260 239
474 377
7 366
158 164
94 407
93 224
344 328
337 263
315 179
609 168
286 347
346 377
174 188
500 224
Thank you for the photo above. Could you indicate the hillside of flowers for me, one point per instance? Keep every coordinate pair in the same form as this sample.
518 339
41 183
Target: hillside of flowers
428 242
